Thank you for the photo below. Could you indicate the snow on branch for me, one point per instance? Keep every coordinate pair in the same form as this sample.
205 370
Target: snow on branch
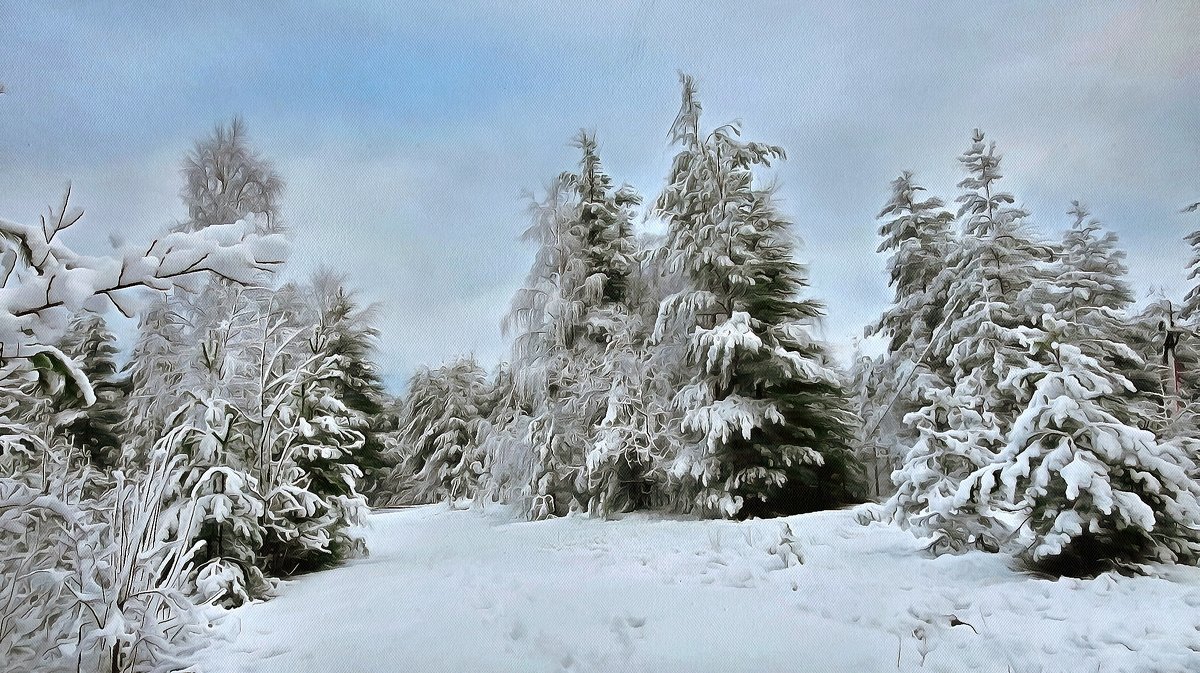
43 281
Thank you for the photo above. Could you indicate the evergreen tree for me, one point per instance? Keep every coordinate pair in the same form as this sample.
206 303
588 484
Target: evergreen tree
92 428
994 284
346 329
547 316
624 467
917 231
1091 294
1091 272
509 467
1094 489
221 505
575 304
765 417
439 434
955 440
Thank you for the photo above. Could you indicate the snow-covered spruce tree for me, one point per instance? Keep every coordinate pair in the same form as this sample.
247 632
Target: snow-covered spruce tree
916 229
1089 291
306 443
766 417
294 438
509 460
219 505
574 304
631 441
1095 491
954 441
92 429
609 396
1091 271
986 289
346 328
217 498
546 319
277 458
439 433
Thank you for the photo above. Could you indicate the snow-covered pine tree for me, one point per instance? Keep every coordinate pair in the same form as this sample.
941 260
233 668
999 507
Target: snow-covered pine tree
916 229
624 466
92 429
986 289
345 328
1089 291
574 305
220 504
546 318
766 416
439 433
1091 271
298 440
1095 490
605 223
608 396
509 463
954 441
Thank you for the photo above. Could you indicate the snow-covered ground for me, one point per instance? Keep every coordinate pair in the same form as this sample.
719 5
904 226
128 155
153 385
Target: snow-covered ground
475 592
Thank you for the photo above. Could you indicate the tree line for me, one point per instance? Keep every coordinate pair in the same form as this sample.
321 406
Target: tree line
1022 403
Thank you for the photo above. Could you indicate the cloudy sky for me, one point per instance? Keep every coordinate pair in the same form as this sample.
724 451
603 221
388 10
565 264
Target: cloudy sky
407 133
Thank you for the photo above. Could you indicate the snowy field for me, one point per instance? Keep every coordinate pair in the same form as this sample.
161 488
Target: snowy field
473 591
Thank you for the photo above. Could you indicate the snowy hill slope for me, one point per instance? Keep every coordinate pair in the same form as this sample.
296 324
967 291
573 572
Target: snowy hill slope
472 591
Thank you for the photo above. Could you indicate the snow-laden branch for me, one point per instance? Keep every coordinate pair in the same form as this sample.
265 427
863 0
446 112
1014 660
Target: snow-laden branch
45 281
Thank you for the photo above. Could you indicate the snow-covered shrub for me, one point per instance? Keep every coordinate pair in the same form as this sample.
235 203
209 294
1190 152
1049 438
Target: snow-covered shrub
91 574
96 584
